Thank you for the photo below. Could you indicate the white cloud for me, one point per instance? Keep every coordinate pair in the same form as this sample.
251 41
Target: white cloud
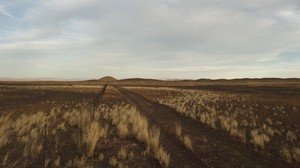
4 12
194 37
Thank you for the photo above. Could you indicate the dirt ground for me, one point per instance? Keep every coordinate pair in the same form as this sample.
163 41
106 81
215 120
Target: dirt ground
83 124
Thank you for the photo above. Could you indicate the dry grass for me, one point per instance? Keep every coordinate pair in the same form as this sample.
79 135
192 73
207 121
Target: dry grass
101 157
113 161
296 153
4 160
178 129
241 115
290 154
188 142
92 136
131 155
5 124
163 157
78 162
231 125
92 130
122 153
29 132
154 134
125 116
122 129
47 162
34 144
130 122
259 139
57 162
290 136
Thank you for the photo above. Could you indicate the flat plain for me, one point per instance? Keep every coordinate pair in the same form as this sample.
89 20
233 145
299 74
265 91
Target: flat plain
150 123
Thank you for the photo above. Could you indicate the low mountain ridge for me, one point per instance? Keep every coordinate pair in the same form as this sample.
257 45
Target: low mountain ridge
107 79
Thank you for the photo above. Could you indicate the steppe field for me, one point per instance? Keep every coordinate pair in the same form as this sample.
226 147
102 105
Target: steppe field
242 123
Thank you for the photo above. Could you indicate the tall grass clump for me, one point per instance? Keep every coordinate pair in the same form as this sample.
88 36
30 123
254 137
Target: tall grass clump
188 142
163 157
92 135
178 130
259 139
130 123
5 126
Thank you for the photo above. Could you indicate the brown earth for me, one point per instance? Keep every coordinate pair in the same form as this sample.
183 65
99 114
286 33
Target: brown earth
211 147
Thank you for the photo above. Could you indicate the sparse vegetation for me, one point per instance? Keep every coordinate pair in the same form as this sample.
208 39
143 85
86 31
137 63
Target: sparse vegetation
241 115
113 161
259 139
178 129
188 142
122 153
163 157
29 129
92 135
68 126
4 160
101 157
127 117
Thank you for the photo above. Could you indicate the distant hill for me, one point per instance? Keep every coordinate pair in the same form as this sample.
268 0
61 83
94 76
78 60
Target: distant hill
107 79
139 80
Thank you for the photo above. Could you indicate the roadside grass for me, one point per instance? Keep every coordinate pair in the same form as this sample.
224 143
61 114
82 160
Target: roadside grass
249 118
130 123
185 139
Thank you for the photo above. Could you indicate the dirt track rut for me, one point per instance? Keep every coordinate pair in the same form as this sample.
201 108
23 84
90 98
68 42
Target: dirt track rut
212 148
180 156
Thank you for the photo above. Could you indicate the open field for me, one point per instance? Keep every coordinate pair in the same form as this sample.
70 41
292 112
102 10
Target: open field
150 123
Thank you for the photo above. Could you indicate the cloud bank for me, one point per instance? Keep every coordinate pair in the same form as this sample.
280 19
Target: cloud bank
153 39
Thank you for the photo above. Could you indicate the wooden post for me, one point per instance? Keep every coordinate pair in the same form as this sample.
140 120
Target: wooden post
94 109
45 145
80 131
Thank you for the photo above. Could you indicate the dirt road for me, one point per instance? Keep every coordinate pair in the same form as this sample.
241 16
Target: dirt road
211 147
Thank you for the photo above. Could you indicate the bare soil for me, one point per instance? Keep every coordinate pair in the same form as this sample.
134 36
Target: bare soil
211 147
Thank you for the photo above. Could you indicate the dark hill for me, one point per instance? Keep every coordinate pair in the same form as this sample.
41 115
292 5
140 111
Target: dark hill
107 79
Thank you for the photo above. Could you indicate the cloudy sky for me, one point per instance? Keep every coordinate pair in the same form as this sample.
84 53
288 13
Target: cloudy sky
187 39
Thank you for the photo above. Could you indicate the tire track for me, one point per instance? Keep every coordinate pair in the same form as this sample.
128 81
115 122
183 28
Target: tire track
180 156
100 95
217 149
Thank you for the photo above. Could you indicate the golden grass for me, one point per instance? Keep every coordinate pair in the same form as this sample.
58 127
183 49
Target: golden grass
122 153
154 134
240 115
259 139
178 130
77 162
290 154
163 156
188 142
4 160
5 125
29 132
130 122
113 161
101 157
92 135
57 162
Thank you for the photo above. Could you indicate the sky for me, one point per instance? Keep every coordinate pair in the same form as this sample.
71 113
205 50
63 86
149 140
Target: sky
163 39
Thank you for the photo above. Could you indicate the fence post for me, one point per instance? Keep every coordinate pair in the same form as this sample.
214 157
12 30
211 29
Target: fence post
80 132
45 145
94 109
